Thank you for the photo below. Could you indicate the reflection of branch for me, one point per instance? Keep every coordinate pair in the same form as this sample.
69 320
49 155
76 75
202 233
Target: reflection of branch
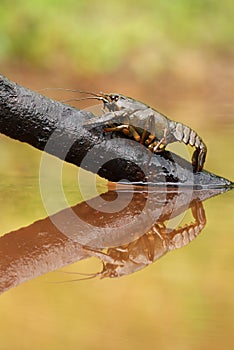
34 250
29 117
41 247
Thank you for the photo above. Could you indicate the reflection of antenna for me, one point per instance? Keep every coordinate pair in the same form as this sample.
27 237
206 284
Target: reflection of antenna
78 279
88 276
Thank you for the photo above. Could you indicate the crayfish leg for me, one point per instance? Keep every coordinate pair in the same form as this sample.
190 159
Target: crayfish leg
134 133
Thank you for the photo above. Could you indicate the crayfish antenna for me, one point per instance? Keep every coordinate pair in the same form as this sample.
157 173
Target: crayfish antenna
100 94
57 88
84 98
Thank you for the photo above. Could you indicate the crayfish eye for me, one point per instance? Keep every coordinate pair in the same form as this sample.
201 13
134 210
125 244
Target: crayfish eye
114 98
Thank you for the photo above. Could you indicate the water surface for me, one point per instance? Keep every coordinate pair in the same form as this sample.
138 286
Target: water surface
183 300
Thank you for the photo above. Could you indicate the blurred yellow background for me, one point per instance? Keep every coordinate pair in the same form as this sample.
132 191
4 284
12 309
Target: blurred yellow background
178 57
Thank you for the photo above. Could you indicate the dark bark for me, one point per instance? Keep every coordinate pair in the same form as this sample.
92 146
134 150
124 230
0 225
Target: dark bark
57 128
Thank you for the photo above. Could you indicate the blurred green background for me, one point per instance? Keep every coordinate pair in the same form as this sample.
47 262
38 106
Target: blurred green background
95 36
178 56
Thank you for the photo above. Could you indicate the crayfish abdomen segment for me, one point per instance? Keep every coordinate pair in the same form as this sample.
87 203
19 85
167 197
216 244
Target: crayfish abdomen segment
183 133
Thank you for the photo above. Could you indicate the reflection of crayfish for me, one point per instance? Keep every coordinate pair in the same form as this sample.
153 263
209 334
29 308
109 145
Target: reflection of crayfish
146 125
155 243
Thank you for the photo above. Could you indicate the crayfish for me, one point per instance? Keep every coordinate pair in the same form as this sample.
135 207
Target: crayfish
146 125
